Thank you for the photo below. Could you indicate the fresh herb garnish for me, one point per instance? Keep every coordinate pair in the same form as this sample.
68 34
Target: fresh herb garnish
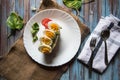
34 31
14 22
74 4
35 38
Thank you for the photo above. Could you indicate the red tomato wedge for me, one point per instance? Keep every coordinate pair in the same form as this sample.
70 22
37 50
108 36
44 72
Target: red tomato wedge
45 22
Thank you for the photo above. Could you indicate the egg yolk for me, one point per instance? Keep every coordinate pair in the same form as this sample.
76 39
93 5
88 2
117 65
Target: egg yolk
50 34
45 49
54 26
46 40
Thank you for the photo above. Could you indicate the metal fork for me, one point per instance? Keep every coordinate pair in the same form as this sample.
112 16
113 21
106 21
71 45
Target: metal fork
92 47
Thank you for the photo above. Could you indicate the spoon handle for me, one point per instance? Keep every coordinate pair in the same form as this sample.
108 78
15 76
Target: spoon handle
106 55
111 25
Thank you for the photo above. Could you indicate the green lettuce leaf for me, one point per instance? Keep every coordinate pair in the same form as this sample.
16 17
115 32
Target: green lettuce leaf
75 4
14 21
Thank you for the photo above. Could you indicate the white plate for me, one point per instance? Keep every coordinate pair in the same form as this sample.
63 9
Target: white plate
68 44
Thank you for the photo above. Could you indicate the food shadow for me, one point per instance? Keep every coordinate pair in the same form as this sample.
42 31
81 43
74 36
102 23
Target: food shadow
48 58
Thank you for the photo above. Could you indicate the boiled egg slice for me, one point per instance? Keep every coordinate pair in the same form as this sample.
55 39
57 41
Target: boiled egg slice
49 33
54 26
46 49
46 40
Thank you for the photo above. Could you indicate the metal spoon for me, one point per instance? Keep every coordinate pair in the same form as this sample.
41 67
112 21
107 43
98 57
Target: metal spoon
105 35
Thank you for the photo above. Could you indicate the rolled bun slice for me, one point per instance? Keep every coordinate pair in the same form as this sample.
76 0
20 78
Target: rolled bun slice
49 33
54 26
46 40
46 49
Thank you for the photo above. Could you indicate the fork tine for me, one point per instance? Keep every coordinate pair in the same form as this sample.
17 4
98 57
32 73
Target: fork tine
93 42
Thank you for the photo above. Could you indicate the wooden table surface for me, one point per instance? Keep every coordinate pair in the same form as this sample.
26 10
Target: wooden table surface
91 12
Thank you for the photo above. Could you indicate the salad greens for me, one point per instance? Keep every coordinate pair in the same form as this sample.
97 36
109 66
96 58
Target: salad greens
14 22
34 31
75 4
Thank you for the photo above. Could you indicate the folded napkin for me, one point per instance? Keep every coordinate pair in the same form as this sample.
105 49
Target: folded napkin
113 43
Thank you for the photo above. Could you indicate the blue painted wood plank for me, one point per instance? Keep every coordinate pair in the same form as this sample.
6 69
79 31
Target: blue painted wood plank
95 16
3 27
32 5
8 10
26 10
116 69
19 7
65 76
38 3
103 8
74 74
107 8
0 22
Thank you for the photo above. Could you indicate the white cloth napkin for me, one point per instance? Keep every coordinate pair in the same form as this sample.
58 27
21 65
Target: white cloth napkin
113 43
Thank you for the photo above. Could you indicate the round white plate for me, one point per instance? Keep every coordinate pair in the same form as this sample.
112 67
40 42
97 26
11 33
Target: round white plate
68 43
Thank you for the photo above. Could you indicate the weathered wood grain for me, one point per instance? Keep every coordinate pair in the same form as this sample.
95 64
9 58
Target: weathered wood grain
91 12
0 25
3 27
26 10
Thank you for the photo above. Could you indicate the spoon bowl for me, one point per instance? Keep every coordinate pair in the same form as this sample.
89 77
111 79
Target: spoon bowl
105 34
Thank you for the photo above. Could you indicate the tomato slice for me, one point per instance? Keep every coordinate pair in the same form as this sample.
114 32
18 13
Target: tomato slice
45 22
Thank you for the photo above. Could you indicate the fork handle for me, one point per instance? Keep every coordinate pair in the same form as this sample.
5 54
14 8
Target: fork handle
90 62
91 59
